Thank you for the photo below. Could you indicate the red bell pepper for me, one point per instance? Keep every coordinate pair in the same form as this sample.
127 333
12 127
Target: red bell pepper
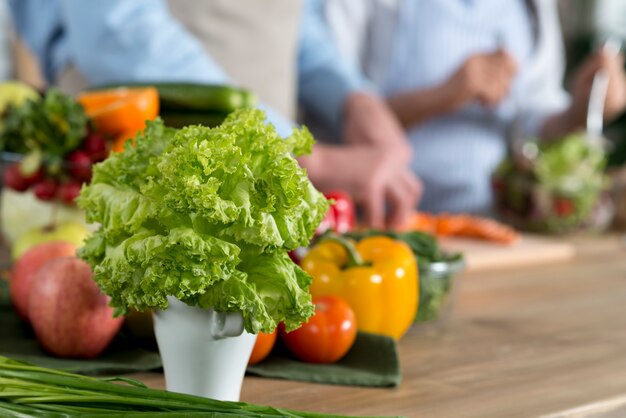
340 217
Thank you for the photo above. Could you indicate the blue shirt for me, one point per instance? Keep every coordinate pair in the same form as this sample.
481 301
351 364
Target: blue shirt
5 50
138 40
405 45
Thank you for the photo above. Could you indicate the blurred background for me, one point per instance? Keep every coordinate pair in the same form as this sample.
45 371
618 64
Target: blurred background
584 23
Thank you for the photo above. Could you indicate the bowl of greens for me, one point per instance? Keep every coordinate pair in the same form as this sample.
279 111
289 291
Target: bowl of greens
438 272
562 189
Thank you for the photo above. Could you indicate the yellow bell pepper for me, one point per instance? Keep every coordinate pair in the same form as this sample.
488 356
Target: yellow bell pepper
377 276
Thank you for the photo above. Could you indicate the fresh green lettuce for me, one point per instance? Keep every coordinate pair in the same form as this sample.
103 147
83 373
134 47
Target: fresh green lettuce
206 215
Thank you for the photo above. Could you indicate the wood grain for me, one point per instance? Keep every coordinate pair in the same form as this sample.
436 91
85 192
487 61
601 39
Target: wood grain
524 342
530 250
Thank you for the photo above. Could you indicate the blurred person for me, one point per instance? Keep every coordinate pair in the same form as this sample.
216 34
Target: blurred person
459 74
6 69
273 47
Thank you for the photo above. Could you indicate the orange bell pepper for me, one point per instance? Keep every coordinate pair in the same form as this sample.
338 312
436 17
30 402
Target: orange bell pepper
378 277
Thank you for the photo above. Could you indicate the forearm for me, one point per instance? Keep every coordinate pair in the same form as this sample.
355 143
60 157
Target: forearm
128 41
561 124
319 162
325 77
416 106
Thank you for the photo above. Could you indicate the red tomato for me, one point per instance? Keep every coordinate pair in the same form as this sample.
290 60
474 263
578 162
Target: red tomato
563 207
262 347
328 335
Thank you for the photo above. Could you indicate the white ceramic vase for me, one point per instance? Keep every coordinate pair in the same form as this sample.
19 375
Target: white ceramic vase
204 352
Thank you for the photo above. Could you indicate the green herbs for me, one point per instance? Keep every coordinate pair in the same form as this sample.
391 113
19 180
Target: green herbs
51 127
30 391
206 216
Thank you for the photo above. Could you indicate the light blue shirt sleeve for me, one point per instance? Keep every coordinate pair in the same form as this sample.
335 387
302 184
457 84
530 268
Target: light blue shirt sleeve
120 40
325 78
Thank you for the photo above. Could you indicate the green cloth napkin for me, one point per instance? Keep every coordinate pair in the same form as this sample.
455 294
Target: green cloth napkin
372 361
122 356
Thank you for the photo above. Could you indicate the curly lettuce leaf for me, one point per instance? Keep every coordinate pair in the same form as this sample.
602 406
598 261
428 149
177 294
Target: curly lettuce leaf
207 216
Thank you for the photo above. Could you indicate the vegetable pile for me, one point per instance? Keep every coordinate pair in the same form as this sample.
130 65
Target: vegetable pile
30 391
206 215
561 192
50 136
182 104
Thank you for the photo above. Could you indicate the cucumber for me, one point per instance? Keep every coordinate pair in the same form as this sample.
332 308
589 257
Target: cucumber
180 119
201 97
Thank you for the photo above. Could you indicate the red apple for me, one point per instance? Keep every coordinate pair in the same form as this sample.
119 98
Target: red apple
26 267
71 317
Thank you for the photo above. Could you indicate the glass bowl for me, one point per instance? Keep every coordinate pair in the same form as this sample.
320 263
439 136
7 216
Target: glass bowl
438 283
560 187
526 204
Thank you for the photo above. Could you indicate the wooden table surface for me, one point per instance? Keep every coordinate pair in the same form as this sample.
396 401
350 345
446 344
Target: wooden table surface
526 342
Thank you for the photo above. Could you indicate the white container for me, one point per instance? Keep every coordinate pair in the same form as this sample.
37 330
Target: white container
204 353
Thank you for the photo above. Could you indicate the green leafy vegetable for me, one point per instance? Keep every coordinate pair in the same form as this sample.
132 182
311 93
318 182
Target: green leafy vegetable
559 192
206 215
52 126
31 391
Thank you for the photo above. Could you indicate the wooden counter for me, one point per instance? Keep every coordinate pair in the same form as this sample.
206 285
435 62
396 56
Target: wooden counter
520 343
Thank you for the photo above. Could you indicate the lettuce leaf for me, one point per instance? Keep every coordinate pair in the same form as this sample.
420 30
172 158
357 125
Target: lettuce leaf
207 216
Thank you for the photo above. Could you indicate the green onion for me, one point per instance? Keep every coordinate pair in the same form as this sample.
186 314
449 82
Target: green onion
28 391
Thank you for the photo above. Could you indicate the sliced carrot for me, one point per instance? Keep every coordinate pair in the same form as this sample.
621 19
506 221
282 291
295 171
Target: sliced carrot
490 230
423 222
120 140
463 225
121 110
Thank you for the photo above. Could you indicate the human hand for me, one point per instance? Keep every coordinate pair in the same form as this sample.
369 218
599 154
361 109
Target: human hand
615 102
485 78
369 121
385 189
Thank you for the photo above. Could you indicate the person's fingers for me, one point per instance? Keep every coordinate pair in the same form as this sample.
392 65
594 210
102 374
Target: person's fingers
402 194
374 205
495 87
414 185
504 61
590 66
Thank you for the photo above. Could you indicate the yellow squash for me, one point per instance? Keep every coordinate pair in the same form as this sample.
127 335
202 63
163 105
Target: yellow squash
377 276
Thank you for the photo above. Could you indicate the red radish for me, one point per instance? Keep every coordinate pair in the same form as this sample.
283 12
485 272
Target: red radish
46 189
36 177
14 179
95 146
80 165
69 191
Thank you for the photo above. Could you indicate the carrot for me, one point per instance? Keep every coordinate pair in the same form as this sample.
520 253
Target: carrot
463 225
423 222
